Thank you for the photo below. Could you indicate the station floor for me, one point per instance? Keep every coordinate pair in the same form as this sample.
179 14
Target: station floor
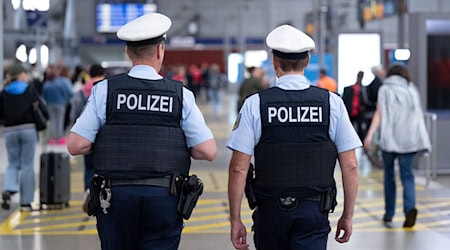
208 228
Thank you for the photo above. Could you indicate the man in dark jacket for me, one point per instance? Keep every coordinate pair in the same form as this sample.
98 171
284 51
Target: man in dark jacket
371 98
372 88
355 105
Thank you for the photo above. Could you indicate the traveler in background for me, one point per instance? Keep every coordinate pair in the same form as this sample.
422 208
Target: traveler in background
373 87
139 147
179 74
80 75
16 111
204 68
96 74
326 82
370 94
215 81
402 134
354 103
36 78
295 156
251 85
195 79
66 74
57 92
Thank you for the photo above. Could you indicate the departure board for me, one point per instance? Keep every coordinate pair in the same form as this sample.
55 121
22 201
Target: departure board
111 16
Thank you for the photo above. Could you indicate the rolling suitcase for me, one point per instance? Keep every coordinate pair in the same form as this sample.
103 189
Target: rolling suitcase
54 180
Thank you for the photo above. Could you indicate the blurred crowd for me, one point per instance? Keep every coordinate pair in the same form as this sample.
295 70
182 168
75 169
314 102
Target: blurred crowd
205 80
66 90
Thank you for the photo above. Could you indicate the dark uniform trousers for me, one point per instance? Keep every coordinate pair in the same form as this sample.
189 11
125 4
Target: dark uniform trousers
140 218
303 227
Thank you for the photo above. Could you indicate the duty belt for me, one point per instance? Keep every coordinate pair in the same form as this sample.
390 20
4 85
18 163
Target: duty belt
312 198
157 181
287 203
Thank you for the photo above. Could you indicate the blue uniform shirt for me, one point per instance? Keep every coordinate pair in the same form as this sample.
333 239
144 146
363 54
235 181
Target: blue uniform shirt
94 115
247 130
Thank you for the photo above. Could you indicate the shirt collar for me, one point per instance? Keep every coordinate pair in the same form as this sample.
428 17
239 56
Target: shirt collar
293 82
144 72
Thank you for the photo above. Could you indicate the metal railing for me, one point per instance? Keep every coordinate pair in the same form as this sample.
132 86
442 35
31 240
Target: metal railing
430 157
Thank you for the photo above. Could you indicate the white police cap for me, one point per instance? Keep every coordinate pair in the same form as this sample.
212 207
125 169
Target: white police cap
288 42
145 30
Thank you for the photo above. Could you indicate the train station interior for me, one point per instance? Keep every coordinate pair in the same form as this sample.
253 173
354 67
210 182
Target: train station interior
350 36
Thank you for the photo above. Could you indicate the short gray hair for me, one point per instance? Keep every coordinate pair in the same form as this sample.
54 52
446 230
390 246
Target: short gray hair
376 68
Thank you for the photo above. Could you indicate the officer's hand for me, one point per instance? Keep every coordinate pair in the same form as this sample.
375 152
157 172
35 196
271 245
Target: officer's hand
239 236
344 230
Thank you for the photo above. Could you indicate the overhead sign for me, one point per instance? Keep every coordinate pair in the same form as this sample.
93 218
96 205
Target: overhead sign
378 9
36 18
112 16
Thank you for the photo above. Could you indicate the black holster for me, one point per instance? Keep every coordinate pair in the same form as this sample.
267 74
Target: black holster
328 200
250 188
190 191
95 188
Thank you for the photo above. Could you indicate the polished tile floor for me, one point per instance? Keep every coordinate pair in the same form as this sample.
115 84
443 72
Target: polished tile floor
208 228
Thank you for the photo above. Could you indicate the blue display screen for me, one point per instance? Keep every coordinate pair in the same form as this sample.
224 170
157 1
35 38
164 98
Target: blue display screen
110 17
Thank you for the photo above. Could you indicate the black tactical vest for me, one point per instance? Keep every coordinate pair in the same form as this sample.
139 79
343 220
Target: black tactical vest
142 137
295 155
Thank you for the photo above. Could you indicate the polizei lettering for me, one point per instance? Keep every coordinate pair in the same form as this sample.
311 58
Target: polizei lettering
159 103
303 114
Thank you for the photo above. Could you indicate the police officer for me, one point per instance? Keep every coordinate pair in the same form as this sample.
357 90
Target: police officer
295 132
145 128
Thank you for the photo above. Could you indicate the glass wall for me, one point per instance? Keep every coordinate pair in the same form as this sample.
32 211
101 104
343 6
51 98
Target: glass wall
438 61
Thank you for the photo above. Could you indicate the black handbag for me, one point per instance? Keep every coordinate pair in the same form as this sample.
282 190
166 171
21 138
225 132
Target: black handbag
39 119
40 112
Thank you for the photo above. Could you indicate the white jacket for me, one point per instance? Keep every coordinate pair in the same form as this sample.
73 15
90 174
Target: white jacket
402 120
